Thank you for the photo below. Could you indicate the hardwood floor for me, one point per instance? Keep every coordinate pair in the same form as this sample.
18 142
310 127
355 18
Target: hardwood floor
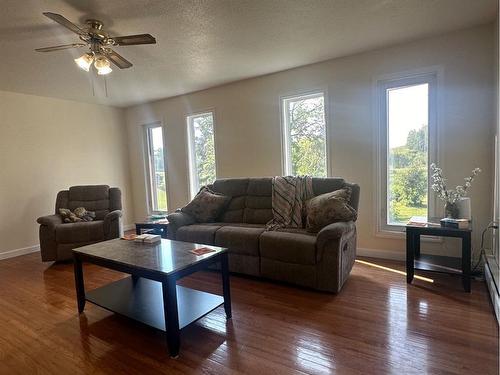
376 325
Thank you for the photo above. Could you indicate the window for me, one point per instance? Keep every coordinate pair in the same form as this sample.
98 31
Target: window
304 135
202 170
156 176
407 128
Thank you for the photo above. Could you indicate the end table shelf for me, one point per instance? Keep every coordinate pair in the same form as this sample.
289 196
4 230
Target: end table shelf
437 263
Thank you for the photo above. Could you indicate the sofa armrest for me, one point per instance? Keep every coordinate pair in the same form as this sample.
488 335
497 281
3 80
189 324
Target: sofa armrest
335 255
333 233
47 235
112 225
176 220
51 220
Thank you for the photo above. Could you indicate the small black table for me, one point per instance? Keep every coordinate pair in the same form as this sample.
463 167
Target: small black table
435 263
158 226
151 295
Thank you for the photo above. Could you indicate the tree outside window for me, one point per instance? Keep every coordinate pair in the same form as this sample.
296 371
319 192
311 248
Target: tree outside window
305 135
157 185
202 150
408 153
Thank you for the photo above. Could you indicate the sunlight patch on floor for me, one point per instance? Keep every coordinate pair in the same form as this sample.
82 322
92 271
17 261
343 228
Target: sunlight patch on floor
392 270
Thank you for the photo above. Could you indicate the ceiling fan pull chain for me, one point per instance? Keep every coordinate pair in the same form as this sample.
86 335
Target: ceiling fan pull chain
105 86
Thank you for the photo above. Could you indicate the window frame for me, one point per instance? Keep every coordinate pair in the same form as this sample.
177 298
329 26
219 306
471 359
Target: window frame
192 176
384 229
286 166
148 161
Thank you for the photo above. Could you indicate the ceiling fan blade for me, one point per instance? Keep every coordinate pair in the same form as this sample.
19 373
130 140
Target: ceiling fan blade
130 40
57 48
116 59
63 22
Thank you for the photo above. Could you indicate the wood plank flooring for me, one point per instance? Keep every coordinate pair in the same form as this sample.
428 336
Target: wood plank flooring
376 325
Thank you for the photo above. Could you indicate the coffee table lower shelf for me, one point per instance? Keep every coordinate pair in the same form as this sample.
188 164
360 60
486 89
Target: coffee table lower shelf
142 300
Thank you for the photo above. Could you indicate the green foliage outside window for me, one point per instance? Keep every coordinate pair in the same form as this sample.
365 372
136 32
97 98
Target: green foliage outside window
408 178
307 136
204 149
159 175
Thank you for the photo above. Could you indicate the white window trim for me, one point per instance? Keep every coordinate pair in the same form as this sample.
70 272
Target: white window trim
286 167
433 76
147 166
193 190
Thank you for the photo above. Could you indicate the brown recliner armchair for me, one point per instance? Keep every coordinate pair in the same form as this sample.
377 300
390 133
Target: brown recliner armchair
57 238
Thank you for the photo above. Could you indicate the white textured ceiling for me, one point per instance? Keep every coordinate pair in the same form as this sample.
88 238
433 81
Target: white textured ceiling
205 43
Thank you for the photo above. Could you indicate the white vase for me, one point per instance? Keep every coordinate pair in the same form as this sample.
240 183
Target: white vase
464 211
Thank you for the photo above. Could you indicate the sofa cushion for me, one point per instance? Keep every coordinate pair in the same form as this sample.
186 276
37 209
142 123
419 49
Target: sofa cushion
329 208
296 247
260 187
239 239
258 209
234 187
248 225
234 211
206 206
92 197
258 201
199 233
80 232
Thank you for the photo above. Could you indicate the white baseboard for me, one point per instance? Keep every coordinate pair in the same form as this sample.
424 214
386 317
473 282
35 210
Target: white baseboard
33 249
361 251
383 254
19 252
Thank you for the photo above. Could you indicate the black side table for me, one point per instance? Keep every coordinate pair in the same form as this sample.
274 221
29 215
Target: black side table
159 227
449 265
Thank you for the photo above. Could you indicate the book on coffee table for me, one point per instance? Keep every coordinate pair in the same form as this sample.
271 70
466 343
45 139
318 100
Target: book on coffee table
148 238
201 251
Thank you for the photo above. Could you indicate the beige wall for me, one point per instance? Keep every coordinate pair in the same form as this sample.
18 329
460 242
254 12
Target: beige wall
47 145
248 122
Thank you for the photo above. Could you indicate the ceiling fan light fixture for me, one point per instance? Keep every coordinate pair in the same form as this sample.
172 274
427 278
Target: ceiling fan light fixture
102 65
84 61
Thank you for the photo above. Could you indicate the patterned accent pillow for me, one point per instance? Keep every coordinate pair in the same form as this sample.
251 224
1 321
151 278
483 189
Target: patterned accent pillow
206 206
329 208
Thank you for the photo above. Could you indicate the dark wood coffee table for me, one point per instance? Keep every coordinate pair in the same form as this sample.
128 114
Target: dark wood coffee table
151 295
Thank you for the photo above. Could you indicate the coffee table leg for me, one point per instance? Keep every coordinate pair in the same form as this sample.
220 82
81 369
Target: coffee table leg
225 285
80 287
171 316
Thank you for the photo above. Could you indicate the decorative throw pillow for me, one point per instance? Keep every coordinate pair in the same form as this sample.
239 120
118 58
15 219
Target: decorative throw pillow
80 214
329 208
206 206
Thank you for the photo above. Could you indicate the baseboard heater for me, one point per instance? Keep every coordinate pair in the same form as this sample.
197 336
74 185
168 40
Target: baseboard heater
491 274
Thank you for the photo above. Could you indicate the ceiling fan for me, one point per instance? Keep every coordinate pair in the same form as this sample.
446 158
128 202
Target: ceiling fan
99 42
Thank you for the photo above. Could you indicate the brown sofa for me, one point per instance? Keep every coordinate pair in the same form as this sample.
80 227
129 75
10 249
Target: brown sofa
57 239
320 260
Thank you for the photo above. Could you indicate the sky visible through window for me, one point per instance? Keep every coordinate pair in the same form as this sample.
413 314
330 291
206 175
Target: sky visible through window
408 111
